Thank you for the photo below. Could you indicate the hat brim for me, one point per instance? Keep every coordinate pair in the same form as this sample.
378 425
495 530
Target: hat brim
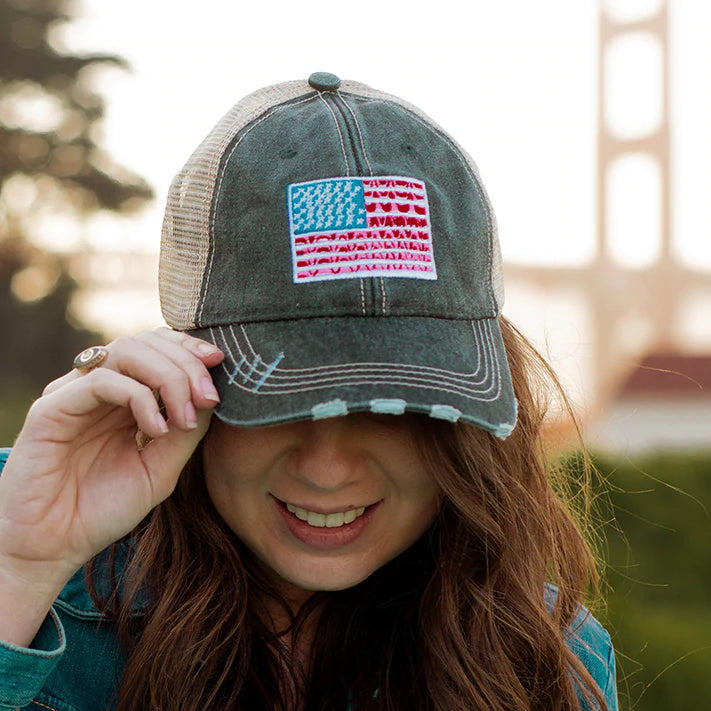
282 371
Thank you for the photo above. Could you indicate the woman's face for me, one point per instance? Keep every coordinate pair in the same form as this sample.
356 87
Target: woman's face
322 503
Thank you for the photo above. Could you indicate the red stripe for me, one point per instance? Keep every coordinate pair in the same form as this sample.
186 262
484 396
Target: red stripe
380 183
375 233
396 221
385 257
365 246
393 195
355 268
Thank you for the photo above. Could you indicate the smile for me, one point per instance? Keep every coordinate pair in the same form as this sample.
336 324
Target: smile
332 520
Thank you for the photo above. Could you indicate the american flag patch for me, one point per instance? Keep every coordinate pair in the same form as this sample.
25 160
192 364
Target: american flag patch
344 228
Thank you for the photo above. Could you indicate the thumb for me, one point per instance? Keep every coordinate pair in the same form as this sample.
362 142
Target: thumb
165 457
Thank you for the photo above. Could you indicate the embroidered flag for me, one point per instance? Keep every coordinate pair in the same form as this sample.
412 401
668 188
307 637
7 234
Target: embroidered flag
344 228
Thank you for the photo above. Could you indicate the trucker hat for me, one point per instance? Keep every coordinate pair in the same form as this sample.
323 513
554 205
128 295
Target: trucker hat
341 250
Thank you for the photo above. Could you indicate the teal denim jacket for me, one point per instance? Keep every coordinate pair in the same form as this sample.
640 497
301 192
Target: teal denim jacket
75 662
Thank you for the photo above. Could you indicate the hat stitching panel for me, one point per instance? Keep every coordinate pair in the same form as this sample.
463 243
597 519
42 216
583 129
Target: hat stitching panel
493 376
345 161
340 135
365 378
483 197
483 330
189 203
221 176
435 130
361 367
381 279
404 381
360 134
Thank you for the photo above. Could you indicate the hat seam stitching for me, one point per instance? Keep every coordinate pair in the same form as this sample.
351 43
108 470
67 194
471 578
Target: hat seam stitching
340 135
221 174
222 137
492 376
436 130
383 301
360 134
409 380
483 329
478 187
402 381
348 174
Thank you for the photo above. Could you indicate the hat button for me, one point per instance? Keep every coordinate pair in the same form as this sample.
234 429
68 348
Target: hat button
323 81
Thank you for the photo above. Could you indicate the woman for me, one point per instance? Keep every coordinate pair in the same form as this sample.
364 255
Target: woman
367 520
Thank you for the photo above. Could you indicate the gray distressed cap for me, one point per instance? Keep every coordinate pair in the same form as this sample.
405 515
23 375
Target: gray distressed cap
340 248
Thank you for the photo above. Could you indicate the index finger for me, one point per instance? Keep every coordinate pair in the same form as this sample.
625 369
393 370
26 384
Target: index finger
207 352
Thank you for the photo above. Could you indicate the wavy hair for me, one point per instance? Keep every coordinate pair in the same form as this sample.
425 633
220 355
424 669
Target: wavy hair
457 622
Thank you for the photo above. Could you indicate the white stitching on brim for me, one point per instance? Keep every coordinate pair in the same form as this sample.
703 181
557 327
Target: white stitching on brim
353 373
360 365
345 370
358 374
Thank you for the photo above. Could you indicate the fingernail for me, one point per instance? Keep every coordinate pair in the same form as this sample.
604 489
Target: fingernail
160 423
190 416
206 349
208 390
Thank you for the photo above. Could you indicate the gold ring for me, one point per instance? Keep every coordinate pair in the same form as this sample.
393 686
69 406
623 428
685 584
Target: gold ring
90 358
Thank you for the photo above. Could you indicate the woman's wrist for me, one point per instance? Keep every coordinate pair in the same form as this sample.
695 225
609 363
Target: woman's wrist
26 597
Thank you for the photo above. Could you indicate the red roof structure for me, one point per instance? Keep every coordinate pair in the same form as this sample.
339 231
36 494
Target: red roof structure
669 375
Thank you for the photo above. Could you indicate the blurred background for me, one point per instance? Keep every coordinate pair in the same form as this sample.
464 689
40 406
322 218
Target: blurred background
590 124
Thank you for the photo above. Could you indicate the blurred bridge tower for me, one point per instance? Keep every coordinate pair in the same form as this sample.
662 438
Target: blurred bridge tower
634 305
633 308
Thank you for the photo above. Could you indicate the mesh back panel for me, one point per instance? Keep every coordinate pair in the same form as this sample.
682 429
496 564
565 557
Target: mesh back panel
186 226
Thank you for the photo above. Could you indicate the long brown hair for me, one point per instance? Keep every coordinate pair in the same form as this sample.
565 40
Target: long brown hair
457 622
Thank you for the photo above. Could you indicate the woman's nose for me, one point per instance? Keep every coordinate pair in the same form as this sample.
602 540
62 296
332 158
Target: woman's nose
330 455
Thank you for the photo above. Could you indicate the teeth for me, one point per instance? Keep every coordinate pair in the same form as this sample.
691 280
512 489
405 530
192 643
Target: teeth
318 520
335 520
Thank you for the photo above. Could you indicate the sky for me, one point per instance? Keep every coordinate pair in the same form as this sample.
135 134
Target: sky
514 82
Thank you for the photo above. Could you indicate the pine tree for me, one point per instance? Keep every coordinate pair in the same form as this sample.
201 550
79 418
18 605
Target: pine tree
49 114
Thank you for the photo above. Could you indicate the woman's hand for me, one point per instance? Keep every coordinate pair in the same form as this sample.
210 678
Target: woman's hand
76 480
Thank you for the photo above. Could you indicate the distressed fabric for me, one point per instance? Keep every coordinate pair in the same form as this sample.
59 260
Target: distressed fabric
341 230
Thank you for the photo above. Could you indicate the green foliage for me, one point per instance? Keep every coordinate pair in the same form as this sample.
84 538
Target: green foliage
659 575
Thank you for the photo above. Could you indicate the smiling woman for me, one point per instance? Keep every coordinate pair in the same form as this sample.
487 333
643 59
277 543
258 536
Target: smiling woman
340 499
288 490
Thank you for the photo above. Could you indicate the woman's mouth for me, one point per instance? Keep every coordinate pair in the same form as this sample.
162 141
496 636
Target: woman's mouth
326 530
332 520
